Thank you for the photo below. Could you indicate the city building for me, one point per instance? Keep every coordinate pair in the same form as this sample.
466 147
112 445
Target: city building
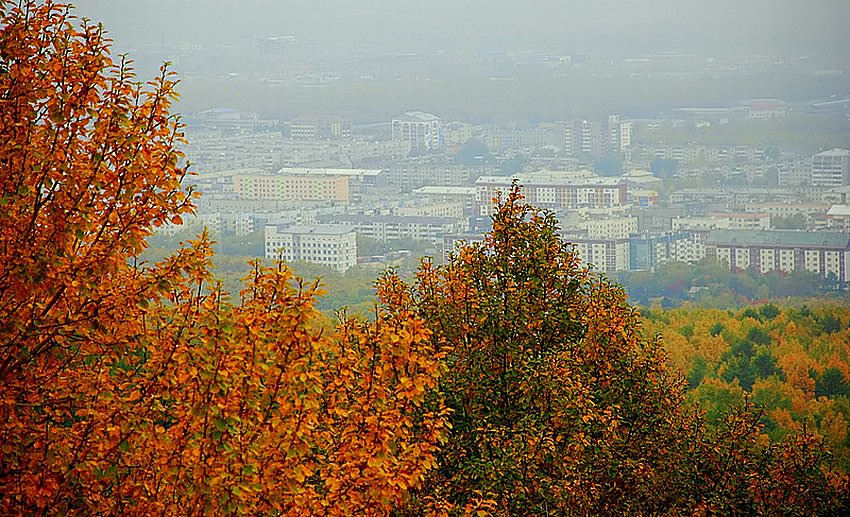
333 246
765 108
831 168
647 251
308 184
724 220
838 218
420 171
385 228
606 228
320 128
439 194
604 255
422 130
594 138
824 253
554 190
794 171
229 119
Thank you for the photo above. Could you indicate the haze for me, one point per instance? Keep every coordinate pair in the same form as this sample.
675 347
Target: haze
611 25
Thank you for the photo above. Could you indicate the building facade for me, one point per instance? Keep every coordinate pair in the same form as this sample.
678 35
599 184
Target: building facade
831 168
554 190
422 130
333 246
824 253
308 184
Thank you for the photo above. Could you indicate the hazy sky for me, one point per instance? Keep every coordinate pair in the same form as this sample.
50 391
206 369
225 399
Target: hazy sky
707 26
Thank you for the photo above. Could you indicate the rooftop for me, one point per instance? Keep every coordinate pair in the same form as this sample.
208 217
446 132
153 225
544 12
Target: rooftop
389 219
417 116
834 152
839 210
560 178
789 238
309 171
433 189
315 229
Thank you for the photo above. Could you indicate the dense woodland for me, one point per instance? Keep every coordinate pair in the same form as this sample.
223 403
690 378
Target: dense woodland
792 362
510 380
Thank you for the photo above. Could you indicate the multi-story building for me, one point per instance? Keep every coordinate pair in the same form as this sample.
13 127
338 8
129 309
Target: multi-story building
307 184
320 128
284 186
608 228
333 246
824 253
723 220
647 251
742 220
429 170
422 130
594 138
438 194
838 218
692 248
228 119
554 190
794 171
605 255
831 168
807 210
529 136
385 228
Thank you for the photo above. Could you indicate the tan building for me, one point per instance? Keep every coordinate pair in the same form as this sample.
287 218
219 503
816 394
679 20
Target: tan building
554 190
295 187
307 184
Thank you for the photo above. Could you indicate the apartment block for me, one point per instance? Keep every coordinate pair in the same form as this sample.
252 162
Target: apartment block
646 252
831 168
554 190
605 255
385 228
333 246
824 253
307 184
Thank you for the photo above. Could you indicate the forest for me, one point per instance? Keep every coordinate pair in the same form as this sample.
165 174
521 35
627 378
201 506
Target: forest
511 380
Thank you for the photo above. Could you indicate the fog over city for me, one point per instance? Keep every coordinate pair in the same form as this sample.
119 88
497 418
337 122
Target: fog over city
481 60
651 129
722 26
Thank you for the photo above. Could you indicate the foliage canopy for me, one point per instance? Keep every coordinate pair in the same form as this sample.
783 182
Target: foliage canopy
513 380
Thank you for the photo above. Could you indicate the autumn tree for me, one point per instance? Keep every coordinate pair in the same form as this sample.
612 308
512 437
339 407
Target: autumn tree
133 388
559 406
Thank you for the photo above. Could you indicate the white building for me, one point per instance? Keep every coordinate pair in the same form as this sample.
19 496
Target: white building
609 228
605 255
386 228
838 217
831 168
333 246
421 129
824 253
